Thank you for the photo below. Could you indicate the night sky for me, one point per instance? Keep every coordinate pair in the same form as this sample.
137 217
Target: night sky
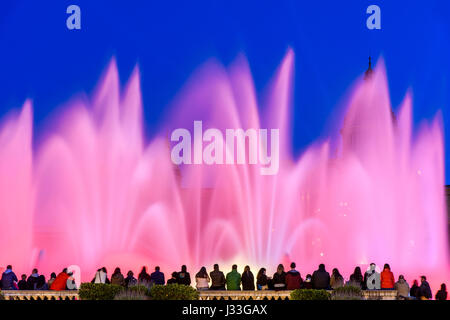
41 59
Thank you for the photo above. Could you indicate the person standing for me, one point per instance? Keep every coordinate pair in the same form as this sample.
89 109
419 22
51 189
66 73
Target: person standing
233 279
247 279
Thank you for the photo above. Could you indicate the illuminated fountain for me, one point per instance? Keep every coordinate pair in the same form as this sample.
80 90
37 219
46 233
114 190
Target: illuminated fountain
95 193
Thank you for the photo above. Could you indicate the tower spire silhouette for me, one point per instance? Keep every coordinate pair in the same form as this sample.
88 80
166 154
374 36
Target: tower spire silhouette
369 71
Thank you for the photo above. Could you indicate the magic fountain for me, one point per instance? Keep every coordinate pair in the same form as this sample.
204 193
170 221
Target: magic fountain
94 193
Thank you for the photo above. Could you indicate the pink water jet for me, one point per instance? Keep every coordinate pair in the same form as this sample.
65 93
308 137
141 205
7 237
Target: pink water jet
95 193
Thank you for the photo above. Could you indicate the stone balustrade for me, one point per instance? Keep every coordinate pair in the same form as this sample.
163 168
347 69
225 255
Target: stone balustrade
204 295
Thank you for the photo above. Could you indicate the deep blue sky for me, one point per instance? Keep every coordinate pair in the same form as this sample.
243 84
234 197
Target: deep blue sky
41 59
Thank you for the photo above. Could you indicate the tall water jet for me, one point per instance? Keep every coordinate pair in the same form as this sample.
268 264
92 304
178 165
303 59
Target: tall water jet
97 194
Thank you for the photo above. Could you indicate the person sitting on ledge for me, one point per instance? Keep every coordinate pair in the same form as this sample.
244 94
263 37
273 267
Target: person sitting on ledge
184 277
70 282
202 279
144 277
262 282
357 279
424 289
387 278
174 279
61 281
130 280
307 284
23 283
101 276
217 279
441 294
293 278
233 279
52 278
157 277
336 280
32 280
414 292
402 288
372 278
321 278
279 278
117 278
247 279
9 279
41 284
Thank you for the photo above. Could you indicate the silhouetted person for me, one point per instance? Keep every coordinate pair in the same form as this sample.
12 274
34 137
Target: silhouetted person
279 278
174 279
307 284
357 279
262 282
157 277
233 279
217 279
9 279
41 284
442 293
202 279
117 278
32 280
402 287
144 277
293 278
247 279
130 280
336 280
424 289
387 278
415 290
23 283
52 278
184 277
321 278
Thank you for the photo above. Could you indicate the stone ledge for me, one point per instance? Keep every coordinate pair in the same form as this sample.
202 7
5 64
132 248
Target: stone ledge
204 295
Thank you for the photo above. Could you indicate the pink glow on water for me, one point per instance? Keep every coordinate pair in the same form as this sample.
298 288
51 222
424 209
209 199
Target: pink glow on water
94 193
